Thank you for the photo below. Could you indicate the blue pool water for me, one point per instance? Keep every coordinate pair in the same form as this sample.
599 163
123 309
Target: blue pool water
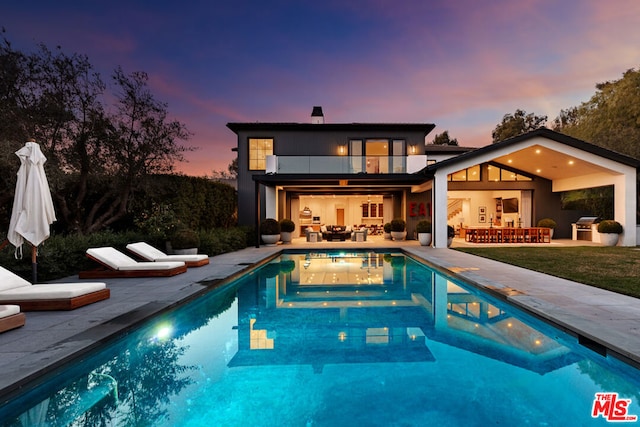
335 339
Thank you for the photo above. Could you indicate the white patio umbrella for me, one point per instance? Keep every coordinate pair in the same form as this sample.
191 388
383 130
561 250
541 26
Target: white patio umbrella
32 212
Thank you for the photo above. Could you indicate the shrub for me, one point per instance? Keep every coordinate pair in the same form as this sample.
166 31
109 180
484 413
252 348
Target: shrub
269 226
63 256
387 227
547 223
287 225
610 226
398 224
185 238
423 226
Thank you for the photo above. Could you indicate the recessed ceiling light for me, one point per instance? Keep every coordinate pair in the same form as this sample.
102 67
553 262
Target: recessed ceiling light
509 161
538 151
538 170
570 162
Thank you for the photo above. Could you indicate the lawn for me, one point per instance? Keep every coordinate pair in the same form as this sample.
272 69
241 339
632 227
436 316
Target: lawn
613 268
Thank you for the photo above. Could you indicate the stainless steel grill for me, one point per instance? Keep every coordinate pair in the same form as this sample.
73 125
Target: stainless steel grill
584 227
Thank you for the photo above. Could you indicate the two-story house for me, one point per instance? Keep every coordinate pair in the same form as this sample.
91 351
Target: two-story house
366 174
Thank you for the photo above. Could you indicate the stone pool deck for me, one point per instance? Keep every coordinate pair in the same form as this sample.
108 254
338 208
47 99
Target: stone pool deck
600 318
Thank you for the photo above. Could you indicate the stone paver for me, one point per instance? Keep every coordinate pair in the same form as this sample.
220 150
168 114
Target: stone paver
51 338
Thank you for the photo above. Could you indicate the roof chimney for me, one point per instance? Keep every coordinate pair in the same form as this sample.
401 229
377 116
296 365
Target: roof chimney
317 118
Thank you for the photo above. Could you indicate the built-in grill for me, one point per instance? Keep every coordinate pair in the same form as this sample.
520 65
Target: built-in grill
585 226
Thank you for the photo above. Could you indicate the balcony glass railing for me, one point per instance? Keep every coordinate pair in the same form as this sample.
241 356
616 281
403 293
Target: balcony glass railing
338 164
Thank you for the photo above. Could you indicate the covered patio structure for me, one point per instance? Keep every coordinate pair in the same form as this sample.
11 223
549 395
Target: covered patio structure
567 163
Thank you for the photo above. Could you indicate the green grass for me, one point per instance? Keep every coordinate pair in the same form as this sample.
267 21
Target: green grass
613 268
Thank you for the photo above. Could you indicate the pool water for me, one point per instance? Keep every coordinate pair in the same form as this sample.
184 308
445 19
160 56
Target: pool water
335 339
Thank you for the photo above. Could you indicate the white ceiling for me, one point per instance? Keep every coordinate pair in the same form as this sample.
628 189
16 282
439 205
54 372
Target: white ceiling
548 163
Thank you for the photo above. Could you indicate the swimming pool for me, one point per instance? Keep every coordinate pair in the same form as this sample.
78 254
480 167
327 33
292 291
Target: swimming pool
330 339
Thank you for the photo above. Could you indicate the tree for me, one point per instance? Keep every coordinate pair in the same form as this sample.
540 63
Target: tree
516 124
444 139
97 152
610 119
230 173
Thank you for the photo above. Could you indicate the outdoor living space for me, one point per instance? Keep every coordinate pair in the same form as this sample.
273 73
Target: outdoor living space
348 213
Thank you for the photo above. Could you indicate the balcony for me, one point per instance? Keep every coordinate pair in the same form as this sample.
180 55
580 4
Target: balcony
345 164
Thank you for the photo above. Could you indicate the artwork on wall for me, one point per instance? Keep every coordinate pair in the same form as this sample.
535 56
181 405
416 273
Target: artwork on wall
482 218
482 210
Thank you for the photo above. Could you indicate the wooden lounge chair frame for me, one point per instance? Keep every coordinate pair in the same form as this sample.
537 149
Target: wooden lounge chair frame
11 322
61 303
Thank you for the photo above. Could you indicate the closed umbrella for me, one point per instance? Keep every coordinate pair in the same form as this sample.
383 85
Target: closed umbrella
32 212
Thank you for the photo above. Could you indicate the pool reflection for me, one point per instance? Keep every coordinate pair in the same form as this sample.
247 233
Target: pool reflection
320 309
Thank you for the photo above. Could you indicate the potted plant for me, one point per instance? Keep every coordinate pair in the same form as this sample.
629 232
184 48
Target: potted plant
387 231
548 223
287 227
398 229
451 232
270 231
610 231
185 241
423 228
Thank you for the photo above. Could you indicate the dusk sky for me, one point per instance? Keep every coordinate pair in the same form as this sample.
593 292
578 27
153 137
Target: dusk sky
460 64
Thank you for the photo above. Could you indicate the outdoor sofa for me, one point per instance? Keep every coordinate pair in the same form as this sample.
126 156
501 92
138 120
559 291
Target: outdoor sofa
51 296
332 232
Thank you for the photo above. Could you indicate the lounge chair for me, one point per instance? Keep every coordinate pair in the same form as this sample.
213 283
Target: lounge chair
52 296
114 263
10 317
149 253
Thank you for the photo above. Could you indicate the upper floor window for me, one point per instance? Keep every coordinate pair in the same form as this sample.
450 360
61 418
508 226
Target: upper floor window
259 149
377 155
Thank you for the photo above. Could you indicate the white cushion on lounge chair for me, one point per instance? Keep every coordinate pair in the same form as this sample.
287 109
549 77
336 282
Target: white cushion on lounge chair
119 261
51 291
8 280
14 287
9 310
150 253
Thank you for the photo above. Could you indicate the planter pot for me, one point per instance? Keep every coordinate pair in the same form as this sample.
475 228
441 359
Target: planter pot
398 235
449 241
609 239
286 236
424 239
190 251
270 239
387 236
551 233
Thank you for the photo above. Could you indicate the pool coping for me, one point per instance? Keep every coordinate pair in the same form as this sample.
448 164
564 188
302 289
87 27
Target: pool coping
600 318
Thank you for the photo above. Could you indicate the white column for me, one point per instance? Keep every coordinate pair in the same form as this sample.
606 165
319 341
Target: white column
270 202
439 205
625 204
